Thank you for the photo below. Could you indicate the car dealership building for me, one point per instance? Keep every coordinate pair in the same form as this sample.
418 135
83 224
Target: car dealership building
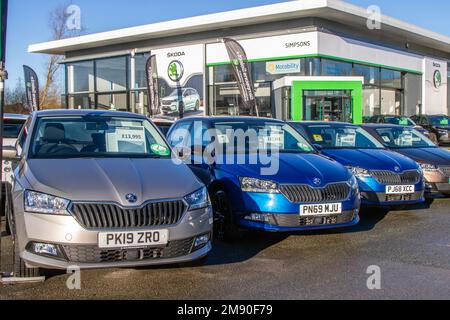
310 60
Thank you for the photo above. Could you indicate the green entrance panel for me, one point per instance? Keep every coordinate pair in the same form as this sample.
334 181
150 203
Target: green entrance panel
355 87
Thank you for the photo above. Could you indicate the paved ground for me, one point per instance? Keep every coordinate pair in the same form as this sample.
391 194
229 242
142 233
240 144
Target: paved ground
412 248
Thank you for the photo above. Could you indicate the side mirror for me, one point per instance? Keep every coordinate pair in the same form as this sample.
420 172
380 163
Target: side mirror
183 153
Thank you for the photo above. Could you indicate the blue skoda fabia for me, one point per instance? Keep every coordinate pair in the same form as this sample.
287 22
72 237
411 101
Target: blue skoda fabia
262 174
385 178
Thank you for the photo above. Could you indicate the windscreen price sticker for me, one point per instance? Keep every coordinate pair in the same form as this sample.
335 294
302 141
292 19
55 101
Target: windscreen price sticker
127 139
135 135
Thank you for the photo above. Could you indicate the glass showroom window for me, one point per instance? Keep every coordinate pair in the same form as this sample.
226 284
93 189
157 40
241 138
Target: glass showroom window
391 79
224 94
336 68
112 74
80 85
113 101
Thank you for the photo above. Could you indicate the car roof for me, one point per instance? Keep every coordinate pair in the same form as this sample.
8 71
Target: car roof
334 123
382 125
12 116
86 112
214 119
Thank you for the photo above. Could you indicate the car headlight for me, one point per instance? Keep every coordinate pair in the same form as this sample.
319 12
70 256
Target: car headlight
198 199
426 167
359 172
36 202
353 182
254 185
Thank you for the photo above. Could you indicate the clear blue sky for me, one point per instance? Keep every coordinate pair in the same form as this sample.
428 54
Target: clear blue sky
28 19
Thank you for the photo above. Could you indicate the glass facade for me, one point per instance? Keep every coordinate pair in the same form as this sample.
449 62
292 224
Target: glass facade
383 91
119 83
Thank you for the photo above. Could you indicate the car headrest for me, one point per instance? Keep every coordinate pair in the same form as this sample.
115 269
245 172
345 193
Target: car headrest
327 137
54 132
98 139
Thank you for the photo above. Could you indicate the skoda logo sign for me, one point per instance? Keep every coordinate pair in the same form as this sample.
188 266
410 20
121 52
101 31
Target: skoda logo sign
131 198
317 181
437 79
397 169
175 71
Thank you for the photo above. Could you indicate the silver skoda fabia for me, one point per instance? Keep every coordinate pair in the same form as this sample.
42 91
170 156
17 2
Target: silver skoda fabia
99 189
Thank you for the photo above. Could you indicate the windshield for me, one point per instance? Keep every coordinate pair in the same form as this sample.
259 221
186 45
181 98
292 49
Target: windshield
404 138
12 128
439 121
403 121
253 137
96 136
342 137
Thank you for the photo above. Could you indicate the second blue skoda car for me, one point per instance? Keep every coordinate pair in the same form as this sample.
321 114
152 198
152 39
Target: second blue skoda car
262 174
385 178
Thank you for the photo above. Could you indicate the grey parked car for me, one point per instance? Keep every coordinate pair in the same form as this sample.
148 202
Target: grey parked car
100 189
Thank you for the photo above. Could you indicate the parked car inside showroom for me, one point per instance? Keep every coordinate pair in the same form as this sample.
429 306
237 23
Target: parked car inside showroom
385 178
186 98
305 191
435 161
437 125
100 189
12 125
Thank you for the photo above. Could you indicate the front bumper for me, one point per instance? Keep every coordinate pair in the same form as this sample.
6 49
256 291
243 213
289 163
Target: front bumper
374 193
281 215
294 222
437 182
79 247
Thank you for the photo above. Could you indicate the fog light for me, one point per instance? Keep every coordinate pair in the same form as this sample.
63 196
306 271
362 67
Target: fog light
201 241
257 217
45 249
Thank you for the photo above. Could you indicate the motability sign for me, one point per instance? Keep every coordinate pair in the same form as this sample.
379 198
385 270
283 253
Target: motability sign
241 70
31 88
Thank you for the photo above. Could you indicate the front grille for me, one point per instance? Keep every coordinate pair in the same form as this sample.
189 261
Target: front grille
112 216
446 171
307 194
92 254
391 178
294 220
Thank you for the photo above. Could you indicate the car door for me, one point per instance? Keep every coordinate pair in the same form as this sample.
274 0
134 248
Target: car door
202 162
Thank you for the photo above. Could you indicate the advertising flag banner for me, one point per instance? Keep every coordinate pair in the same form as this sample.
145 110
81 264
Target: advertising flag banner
31 88
241 70
4 16
153 86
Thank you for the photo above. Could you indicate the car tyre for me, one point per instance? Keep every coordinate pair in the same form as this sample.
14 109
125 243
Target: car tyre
225 227
20 268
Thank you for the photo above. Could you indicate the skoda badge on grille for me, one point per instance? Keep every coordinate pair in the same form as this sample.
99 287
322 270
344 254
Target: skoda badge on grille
397 169
317 181
131 198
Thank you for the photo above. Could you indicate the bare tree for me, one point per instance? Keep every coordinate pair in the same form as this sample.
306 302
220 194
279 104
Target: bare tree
15 98
59 30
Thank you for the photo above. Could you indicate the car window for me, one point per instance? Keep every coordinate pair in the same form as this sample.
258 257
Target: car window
179 135
342 137
400 137
12 128
248 137
24 134
96 136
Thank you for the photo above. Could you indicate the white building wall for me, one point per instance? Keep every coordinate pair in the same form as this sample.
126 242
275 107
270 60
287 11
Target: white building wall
434 95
